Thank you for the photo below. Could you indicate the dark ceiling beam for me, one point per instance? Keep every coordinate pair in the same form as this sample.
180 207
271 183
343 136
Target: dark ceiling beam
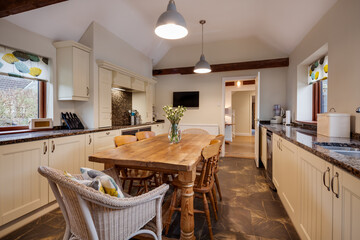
11 7
269 63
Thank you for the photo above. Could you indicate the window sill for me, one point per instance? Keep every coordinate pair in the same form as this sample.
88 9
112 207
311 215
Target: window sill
6 132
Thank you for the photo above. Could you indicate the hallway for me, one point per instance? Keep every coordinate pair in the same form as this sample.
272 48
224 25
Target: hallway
241 147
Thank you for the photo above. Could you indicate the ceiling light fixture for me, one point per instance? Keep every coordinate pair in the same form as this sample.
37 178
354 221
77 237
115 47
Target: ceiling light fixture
202 66
171 25
238 83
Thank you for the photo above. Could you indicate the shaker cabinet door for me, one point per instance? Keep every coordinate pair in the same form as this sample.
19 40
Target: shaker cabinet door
315 217
346 208
23 188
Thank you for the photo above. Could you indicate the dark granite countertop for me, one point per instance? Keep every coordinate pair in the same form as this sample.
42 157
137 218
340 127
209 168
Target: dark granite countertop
41 135
306 139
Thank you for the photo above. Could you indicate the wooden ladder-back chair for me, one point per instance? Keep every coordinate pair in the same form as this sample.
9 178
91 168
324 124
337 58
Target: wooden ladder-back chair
144 135
203 186
131 175
90 214
220 138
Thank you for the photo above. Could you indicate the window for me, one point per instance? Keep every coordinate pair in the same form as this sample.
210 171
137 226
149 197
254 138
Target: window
23 78
318 77
20 100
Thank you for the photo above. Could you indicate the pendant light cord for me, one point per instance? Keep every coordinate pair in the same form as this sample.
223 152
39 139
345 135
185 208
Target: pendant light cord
202 38
202 22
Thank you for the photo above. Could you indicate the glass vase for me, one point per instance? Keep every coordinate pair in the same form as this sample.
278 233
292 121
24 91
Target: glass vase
174 133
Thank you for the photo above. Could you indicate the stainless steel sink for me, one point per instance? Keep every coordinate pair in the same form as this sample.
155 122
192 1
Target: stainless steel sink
344 149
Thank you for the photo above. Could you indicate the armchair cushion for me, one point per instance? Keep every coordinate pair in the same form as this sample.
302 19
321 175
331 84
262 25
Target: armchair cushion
95 183
107 182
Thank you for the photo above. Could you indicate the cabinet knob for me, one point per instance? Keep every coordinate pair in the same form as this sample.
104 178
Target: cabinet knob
107 133
87 91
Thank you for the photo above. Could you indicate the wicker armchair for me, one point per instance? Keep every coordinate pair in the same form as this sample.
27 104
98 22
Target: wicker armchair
90 214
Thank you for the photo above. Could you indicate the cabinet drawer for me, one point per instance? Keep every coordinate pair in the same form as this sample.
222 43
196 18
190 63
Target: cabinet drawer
105 140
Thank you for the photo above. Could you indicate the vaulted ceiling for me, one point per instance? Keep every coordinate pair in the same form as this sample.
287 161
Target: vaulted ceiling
280 23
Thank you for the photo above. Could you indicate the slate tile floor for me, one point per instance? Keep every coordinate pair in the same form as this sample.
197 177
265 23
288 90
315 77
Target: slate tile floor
249 210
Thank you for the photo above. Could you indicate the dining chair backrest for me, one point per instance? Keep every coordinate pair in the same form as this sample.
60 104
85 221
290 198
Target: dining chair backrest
124 139
194 131
144 135
209 156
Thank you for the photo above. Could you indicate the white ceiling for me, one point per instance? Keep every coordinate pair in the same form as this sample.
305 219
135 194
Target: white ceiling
280 23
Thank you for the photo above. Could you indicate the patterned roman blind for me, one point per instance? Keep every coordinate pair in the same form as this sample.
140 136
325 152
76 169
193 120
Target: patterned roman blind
21 64
318 70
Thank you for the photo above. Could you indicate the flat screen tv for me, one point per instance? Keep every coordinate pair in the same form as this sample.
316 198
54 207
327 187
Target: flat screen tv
186 99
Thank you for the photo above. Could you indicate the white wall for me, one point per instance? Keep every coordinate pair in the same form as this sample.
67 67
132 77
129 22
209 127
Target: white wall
107 46
339 27
272 92
273 80
20 38
241 104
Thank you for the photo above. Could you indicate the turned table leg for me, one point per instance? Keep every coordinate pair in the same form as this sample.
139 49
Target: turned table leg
187 204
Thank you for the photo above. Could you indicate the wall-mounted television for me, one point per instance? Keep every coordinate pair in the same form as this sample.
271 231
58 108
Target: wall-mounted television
186 99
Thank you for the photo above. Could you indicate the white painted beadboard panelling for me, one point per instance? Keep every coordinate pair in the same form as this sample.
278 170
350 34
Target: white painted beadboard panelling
23 188
213 129
315 218
346 208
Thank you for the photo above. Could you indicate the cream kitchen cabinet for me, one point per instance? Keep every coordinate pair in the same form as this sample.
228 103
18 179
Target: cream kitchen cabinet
89 149
346 205
73 70
158 128
285 175
23 188
67 154
105 82
324 201
315 216
104 141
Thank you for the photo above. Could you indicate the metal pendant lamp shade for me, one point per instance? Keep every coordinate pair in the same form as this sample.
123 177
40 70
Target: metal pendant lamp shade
202 66
171 25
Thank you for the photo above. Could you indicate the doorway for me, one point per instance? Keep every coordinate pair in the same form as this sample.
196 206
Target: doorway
239 116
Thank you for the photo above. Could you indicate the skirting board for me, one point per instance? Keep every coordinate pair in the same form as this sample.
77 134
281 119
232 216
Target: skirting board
20 222
243 134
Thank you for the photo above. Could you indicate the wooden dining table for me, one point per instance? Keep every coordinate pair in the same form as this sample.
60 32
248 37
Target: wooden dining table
159 155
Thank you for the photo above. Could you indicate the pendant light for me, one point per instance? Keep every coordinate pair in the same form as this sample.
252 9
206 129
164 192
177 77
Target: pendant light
171 25
202 66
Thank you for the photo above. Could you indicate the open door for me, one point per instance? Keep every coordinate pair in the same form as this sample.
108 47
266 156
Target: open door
257 122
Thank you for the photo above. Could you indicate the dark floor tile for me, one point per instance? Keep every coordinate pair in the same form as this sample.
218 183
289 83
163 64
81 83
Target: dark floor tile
292 231
233 219
274 209
271 229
